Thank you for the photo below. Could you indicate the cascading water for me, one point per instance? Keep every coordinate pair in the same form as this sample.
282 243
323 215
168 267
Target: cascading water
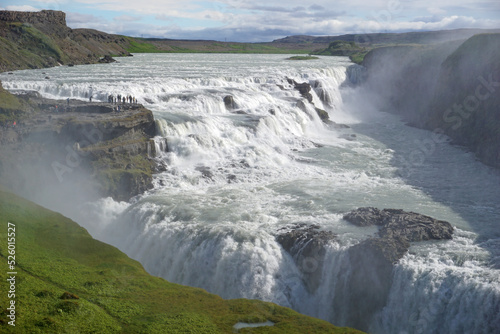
247 157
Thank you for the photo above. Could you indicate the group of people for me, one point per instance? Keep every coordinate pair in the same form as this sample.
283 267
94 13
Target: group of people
122 99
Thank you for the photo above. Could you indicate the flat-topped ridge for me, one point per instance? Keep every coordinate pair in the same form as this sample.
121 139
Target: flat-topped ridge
41 17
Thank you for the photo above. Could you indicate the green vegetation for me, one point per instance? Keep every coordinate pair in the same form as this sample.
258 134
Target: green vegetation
346 49
36 40
302 58
11 108
139 45
67 282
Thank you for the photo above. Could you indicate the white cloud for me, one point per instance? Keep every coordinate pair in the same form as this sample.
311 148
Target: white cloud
264 20
77 20
23 8
126 18
436 11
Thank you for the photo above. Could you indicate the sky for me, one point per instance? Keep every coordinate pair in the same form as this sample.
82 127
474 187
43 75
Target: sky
266 20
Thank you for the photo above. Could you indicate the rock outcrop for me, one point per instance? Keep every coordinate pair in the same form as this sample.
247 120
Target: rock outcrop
401 224
306 244
367 267
44 17
372 260
90 146
229 102
369 280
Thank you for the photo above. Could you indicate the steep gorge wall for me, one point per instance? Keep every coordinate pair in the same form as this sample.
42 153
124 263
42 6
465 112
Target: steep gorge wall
450 88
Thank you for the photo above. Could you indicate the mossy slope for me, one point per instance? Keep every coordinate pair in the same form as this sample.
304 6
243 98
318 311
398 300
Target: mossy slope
115 295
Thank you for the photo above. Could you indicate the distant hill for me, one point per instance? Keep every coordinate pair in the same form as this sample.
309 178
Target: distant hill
423 37
42 39
356 46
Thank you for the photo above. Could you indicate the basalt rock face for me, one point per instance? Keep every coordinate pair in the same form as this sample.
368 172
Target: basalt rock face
80 145
307 245
370 278
44 17
304 89
372 260
367 267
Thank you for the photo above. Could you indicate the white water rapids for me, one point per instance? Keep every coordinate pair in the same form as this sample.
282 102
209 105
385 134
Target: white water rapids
234 177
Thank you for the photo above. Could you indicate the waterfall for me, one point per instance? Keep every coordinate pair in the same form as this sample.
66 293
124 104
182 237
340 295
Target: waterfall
246 157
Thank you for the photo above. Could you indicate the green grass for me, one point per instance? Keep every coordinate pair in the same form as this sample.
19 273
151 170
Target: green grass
11 108
115 295
137 45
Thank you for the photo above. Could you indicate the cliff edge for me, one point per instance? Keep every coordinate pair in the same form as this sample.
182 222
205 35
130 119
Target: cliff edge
86 148
42 39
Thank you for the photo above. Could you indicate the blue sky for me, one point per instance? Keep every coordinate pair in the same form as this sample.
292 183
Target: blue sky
266 20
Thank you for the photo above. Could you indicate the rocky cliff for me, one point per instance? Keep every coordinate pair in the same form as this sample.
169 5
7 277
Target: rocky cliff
88 146
44 17
42 39
451 88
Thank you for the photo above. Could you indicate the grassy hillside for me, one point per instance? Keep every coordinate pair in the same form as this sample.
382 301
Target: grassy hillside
67 282
25 45
201 46
11 108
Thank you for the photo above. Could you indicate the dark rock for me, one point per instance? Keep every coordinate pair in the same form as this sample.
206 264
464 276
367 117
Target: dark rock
371 261
323 115
414 227
401 224
303 88
229 102
365 217
370 279
106 60
306 244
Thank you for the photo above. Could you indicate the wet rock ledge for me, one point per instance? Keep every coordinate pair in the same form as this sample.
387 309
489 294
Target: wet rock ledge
87 146
367 267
